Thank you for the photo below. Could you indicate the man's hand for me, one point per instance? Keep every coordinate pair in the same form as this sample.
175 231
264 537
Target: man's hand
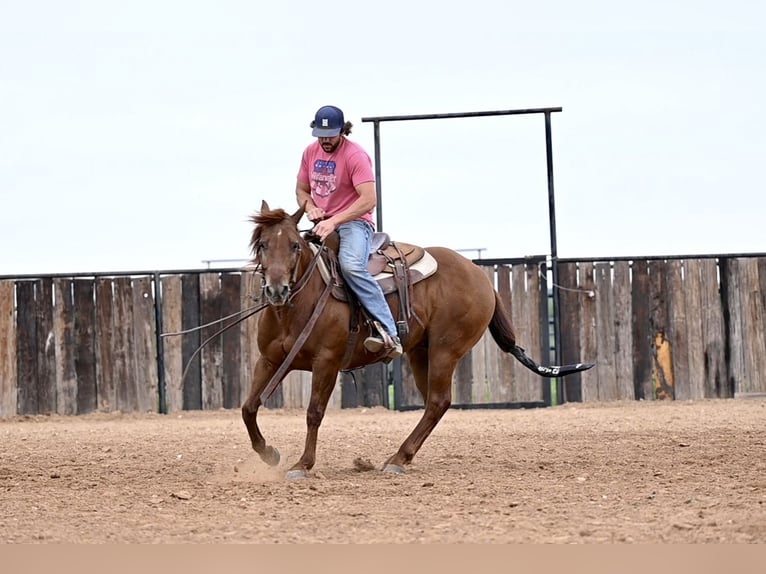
323 228
315 213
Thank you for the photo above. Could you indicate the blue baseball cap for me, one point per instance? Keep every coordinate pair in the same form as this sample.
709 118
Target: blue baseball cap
328 122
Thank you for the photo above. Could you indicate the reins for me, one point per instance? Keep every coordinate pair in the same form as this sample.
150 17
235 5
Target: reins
298 345
254 308
250 311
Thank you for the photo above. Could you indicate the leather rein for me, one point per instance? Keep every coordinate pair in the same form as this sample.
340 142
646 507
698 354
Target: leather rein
298 345
250 311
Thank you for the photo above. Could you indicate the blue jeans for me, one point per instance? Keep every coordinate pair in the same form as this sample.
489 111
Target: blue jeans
355 245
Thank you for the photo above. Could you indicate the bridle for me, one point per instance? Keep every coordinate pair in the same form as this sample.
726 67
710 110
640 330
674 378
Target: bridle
295 284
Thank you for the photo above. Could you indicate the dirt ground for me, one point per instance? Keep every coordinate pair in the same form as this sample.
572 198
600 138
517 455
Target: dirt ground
602 473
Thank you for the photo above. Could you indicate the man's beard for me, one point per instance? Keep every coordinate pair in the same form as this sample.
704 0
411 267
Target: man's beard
330 147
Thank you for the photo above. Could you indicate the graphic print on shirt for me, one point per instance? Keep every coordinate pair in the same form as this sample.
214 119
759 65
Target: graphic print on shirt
323 179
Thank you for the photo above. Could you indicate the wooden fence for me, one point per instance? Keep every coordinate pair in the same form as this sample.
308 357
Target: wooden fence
681 328
687 328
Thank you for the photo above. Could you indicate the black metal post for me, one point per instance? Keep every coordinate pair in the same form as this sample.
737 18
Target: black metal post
162 398
392 374
545 331
552 212
378 183
554 251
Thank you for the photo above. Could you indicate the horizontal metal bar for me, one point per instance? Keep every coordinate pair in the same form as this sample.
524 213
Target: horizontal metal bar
503 261
658 257
461 115
532 259
119 273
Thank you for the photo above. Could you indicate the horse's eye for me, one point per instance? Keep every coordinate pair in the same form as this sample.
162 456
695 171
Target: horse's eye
296 247
262 246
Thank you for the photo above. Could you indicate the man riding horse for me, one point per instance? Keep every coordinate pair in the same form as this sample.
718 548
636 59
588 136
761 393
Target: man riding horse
336 186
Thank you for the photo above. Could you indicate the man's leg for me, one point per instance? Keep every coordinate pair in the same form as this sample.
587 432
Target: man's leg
355 241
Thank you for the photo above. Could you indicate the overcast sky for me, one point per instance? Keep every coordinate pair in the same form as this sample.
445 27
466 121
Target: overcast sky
141 135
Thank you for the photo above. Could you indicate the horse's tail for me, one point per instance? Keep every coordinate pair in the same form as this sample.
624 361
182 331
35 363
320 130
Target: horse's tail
502 332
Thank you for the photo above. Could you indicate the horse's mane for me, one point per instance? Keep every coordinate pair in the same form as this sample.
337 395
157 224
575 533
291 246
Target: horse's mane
265 218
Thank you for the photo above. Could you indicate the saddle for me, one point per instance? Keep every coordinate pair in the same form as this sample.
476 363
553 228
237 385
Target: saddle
395 266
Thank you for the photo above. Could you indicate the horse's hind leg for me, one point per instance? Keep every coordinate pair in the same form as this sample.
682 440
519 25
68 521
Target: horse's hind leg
433 377
263 372
322 383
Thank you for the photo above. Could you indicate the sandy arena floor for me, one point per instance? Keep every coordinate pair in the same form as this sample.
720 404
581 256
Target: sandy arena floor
618 472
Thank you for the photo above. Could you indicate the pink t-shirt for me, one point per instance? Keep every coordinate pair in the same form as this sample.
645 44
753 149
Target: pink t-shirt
333 177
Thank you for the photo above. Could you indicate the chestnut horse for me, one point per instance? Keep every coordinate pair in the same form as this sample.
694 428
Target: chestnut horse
454 308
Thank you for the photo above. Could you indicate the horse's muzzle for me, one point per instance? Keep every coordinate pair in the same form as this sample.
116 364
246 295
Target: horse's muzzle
277 295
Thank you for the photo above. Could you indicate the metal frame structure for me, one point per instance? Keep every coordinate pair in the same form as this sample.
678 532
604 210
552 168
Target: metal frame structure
546 112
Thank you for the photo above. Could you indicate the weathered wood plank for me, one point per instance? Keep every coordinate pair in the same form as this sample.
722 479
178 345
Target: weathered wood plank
336 397
506 363
662 372
464 390
497 388
532 302
692 291
642 338
8 364
85 345
123 346
212 352
64 338
588 335
190 319
731 292
677 328
716 372
605 333
623 331
46 348
26 345
466 387
410 394
106 368
145 345
297 388
172 345
762 291
231 340
754 342
481 391
525 380
570 297
372 386
248 333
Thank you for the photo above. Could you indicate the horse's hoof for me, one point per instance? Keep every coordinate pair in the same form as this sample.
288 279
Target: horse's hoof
271 456
393 469
296 474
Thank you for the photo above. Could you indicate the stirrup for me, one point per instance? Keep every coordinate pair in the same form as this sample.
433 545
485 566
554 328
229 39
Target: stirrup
374 344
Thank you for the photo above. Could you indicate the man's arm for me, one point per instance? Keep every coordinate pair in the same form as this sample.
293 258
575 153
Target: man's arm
366 201
303 197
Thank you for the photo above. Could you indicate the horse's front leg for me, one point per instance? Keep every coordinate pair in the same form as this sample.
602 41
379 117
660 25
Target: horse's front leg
323 379
262 374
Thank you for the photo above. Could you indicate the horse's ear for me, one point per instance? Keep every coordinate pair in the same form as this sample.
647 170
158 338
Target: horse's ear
296 217
264 206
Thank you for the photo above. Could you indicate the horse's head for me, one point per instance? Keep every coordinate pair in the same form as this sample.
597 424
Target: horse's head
277 247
